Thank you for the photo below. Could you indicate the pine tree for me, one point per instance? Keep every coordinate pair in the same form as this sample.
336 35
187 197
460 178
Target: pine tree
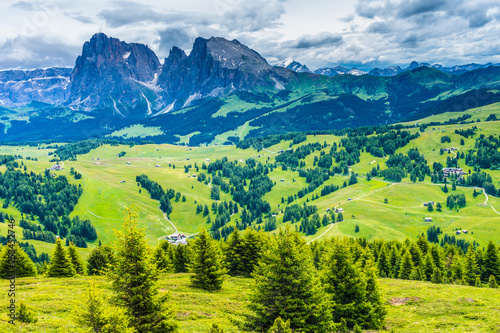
383 263
478 283
491 264
280 326
134 277
99 316
60 263
470 267
233 253
457 269
163 257
346 287
100 259
395 260
24 266
286 286
406 266
378 312
215 329
25 315
492 282
437 277
206 265
76 260
182 257
251 244
427 267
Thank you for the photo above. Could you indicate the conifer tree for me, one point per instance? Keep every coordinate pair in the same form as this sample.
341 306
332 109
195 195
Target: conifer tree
134 280
491 264
280 326
471 268
383 263
286 286
215 329
427 267
25 315
395 260
99 316
163 257
378 312
251 244
206 264
478 283
346 287
406 266
457 269
182 257
233 253
76 260
24 266
60 263
100 259
492 282
437 277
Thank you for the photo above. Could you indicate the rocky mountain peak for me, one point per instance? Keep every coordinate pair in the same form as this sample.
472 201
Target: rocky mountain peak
107 67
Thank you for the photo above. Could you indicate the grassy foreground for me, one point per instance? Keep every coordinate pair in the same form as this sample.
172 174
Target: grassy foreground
412 306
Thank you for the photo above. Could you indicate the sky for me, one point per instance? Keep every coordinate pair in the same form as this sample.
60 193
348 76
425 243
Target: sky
319 33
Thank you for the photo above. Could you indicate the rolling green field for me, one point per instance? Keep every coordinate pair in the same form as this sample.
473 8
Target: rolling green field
109 187
412 306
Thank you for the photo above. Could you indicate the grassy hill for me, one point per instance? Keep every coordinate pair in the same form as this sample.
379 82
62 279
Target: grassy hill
109 186
412 306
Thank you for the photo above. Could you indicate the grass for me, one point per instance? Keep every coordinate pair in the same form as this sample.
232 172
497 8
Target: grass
412 306
105 196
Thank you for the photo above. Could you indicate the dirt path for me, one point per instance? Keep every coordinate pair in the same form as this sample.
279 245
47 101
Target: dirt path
486 201
104 218
358 198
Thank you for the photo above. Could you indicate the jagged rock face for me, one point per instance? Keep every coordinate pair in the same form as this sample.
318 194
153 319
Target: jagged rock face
215 66
108 71
18 87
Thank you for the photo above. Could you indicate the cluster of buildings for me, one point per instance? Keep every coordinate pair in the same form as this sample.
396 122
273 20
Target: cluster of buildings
179 239
453 171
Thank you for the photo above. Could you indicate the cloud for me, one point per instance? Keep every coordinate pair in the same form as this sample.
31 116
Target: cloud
379 27
313 41
171 37
35 52
254 15
129 13
28 6
416 7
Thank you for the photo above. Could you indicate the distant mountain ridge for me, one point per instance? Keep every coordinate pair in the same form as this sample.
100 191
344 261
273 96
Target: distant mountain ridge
221 92
389 71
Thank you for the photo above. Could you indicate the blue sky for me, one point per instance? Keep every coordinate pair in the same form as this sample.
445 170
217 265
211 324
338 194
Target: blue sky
318 33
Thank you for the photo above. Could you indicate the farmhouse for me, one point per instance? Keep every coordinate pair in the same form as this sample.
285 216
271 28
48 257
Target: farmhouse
129 163
453 171
428 219
56 167
339 210
458 232
282 180
157 165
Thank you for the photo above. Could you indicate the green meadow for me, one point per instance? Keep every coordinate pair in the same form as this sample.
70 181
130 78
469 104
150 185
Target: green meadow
109 187
413 306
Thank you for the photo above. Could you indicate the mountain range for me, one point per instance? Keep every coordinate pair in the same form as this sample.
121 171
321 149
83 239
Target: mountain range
221 92
389 71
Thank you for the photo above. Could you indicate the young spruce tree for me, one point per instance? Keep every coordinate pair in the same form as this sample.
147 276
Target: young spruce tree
286 286
76 260
60 262
206 265
24 265
134 280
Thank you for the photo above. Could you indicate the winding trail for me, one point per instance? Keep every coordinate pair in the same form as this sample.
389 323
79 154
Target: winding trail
358 198
104 218
486 201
